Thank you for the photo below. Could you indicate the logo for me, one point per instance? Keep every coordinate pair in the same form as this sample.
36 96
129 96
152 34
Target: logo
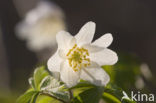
139 97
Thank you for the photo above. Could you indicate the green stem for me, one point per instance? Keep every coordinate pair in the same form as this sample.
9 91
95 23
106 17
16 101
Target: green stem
71 94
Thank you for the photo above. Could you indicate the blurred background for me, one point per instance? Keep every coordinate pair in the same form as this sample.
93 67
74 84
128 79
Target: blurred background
28 29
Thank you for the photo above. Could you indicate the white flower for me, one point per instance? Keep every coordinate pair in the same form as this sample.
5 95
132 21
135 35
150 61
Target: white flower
77 58
41 25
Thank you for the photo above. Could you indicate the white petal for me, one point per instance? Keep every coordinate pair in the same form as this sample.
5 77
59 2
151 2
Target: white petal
72 42
54 62
104 41
62 53
94 75
86 33
63 39
68 75
92 48
104 57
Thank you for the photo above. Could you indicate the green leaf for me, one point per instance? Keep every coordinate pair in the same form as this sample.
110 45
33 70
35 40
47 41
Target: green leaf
62 95
127 101
31 82
81 87
45 82
114 90
91 95
55 88
50 82
76 100
34 98
108 98
39 74
46 99
25 98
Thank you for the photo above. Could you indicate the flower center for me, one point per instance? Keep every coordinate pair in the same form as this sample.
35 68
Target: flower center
77 57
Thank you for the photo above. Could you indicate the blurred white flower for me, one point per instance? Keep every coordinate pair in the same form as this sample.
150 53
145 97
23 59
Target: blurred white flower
77 58
102 101
139 83
41 25
145 71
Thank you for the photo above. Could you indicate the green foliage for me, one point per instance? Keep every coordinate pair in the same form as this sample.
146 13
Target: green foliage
31 95
108 98
32 83
114 90
91 95
62 95
81 87
51 83
55 88
127 101
34 98
85 92
44 84
46 89
39 74
46 99
28 97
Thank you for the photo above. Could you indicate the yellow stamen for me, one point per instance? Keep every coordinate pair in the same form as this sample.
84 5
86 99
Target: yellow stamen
77 58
